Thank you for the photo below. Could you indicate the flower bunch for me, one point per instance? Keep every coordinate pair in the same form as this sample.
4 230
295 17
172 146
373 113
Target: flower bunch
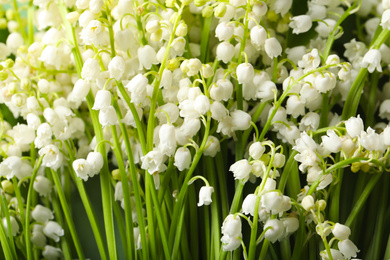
280 108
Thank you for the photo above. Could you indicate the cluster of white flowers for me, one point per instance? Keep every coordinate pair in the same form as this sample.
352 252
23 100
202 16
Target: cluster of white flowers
131 91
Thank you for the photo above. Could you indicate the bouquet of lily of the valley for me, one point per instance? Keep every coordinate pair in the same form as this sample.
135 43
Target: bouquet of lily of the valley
194 129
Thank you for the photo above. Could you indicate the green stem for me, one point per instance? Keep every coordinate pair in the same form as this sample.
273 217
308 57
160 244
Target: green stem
353 98
133 174
204 44
68 217
264 249
27 239
5 243
19 20
333 168
10 240
88 207
126 193
183 190
362 199
252 243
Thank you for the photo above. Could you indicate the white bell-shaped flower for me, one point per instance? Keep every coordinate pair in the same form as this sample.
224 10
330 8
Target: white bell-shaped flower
102 99
331 141
241 169
82 168
37 236
300 23
245 73
14 225
372 60
205 195
212 146
42 185
95 160
256 150
258 36
231 226
274 230
51 253
147 56
249 204
153 161
53 230
218 111
202 104
224 31
53 158
222 90
116 67
348 248
167 137
230 243
341 231
107 116
308 202
354 126
225 51
240 120
41 214
272 47
91 69
182 158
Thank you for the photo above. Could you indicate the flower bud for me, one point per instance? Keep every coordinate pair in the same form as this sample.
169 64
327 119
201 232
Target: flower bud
116 67
212 146
256 150
308 203
7 186
231 226
240 120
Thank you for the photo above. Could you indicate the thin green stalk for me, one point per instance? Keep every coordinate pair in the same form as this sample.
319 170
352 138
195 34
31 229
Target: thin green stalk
223 193
300 238
10 239
19 20
183 190
134 179
353 98
215 218
122 229
194 227
334 208
27 232
204 44
363 197
178 238
104 175
126 194
20 201
58 217
375 247
88 208
285 249
252 243
264 249
30 22
68 217
290 168
334 167
5 242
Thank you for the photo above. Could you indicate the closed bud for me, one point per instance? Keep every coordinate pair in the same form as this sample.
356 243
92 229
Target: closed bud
207 11
7 186
340 231
220 10
308 202
42 185
42 214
